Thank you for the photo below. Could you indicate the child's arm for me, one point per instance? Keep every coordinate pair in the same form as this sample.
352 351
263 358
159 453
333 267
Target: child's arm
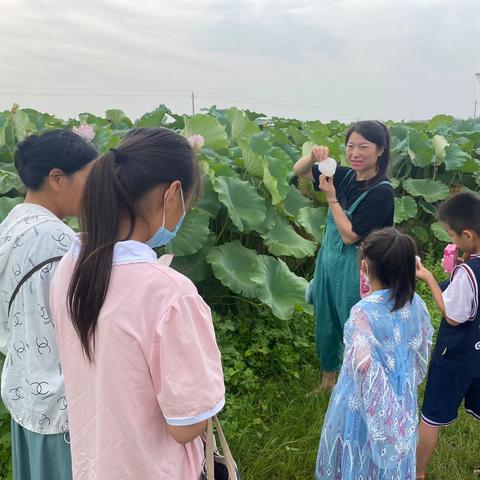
429 279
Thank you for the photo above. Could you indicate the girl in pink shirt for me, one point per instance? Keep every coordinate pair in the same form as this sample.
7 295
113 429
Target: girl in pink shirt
141 365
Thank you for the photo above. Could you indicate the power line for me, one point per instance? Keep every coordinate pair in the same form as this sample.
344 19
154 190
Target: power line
107 93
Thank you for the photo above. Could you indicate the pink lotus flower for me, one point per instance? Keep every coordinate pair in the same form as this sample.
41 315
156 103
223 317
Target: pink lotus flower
85 131
196 141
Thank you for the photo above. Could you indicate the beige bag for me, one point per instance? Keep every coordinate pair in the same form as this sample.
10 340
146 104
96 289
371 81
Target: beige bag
216 466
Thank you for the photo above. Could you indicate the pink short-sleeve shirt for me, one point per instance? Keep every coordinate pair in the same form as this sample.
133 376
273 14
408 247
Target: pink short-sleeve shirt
156 363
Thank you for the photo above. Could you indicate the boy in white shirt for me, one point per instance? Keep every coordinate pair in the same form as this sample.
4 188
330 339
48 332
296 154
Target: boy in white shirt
454 373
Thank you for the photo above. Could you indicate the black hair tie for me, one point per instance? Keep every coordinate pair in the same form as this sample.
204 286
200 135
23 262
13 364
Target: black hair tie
116 153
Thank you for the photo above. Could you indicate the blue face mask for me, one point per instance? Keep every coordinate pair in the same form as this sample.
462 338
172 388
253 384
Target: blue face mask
163 235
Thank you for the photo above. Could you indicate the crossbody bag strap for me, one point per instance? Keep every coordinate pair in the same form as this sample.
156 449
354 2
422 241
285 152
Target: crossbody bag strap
27 276
364 194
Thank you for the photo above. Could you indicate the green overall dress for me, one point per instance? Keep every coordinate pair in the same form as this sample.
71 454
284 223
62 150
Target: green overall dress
336 287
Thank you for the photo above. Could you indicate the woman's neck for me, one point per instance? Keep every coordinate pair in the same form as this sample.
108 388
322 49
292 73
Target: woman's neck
366 174
375 285
39 198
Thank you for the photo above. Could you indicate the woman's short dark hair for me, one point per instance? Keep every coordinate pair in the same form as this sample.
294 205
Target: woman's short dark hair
391 260
38 155
377 133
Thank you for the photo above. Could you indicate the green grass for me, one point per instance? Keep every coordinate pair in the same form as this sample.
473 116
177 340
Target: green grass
275 434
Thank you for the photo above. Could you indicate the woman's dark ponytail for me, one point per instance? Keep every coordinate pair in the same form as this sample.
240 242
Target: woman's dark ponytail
146 158
391 259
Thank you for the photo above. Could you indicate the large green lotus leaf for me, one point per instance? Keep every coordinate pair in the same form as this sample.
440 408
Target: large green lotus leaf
245 206
395 183
318 127
313 221
195 266
440 121
118 119
299 138
233 265
405 208
278 137
275 174
439 144
218 169
398 132
209 201
105 140
192 235
6 204
295 201
271 218
22 123
252 162
91 119
260 143
241 126
2 136
472 165
283 240
467 127
307 148
212 131
455 157
430 190
419 148
9 181
427 207
278 287
73 223
420 233
153 119
440 232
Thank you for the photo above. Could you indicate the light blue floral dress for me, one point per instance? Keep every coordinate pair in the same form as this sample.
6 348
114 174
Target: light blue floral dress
370 429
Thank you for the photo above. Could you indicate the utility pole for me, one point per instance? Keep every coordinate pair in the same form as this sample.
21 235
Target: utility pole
475 101
193 103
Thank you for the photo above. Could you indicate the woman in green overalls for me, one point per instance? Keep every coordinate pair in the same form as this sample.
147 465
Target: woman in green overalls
361 199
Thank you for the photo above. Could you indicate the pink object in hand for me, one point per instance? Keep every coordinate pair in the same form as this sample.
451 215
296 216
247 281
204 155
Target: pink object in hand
364 285
450 257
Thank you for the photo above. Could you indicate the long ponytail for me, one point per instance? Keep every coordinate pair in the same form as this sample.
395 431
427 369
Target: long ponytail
146 158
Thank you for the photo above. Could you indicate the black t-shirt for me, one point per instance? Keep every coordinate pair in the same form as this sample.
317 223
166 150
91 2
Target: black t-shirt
373 212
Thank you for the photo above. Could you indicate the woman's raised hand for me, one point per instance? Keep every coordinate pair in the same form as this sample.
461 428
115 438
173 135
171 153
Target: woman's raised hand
319 153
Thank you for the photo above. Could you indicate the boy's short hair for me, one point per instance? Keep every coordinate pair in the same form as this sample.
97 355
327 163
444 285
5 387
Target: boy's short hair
461 212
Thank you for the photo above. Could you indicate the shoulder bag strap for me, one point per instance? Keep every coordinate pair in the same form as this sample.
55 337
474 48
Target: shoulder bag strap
27 276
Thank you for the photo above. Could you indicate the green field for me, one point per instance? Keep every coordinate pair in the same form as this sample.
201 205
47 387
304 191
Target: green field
250 245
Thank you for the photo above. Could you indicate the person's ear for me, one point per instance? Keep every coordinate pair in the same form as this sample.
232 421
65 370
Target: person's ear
468 235
55 179
171 193
363 265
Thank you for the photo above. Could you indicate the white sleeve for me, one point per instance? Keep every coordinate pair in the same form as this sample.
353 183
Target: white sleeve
461 296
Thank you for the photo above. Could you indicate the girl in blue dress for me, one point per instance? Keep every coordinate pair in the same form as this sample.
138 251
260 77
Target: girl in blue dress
370 429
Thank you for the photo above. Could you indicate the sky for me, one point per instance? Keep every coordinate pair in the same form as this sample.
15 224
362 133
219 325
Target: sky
325 60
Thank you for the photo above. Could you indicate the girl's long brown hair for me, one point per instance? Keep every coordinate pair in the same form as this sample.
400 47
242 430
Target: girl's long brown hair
146 158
